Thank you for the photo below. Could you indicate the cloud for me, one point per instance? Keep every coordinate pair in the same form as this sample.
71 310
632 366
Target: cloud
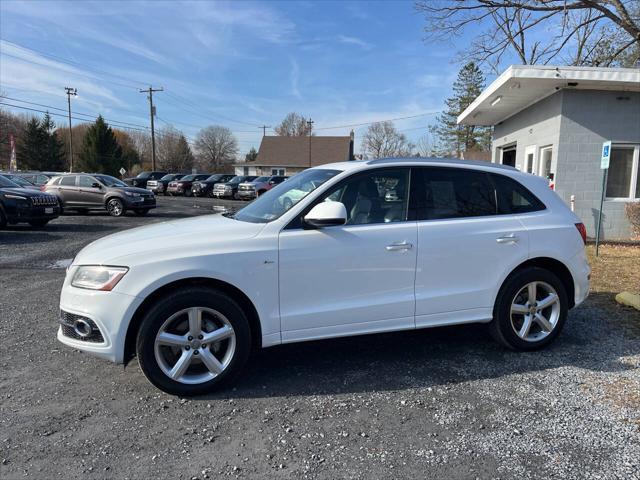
354 41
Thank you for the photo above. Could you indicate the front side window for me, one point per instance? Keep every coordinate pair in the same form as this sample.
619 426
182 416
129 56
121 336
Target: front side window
69 181
86 182
110 181
455 193
379 196
276 201
622 176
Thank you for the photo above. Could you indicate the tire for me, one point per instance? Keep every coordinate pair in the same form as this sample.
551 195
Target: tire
115 207
509 326
3 219
236 196
168 315
38 223
188 193
141 211
61 207
260 192
210 193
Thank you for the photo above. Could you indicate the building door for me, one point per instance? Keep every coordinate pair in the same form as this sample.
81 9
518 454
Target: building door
509 156
530 159
546 169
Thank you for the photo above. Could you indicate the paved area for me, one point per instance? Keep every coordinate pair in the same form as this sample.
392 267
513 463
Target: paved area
440 403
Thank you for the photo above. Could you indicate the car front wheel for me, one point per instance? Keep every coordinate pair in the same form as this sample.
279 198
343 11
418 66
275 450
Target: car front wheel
530 310
192 341
115 207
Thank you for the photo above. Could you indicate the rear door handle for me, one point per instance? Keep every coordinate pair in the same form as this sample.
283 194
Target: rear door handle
511 238
399 246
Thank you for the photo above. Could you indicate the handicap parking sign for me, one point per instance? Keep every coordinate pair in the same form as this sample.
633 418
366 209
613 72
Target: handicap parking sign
606 155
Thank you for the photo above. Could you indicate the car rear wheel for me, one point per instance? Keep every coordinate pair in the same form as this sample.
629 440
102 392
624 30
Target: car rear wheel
188 193
530 310
192 341
115 207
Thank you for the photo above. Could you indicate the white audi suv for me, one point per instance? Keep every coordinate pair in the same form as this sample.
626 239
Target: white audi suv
342 249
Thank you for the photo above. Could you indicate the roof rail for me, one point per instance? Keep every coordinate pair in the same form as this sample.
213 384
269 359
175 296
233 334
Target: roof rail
431 160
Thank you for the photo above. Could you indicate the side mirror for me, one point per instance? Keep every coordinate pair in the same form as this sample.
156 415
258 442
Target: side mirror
327 214
96 185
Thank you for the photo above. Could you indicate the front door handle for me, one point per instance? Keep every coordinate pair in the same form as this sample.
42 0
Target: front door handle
511 238
399 246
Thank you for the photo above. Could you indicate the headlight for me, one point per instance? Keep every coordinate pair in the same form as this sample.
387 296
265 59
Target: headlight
97 277
131 194
15 197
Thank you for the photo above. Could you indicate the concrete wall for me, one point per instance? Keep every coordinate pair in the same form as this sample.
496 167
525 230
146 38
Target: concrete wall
576 123
537 125
590 118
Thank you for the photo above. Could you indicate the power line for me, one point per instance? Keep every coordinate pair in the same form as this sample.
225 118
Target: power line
380 121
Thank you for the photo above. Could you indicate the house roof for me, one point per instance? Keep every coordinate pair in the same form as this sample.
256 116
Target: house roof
520 86
280 151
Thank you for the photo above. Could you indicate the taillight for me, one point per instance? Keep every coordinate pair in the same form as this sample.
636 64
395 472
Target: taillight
583 231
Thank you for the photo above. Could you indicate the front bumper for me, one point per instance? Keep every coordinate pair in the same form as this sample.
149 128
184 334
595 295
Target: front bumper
246 194
111 312
223 193
140 202
159 188
175 190
28 213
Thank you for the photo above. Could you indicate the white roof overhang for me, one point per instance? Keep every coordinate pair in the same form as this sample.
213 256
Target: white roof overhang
520 86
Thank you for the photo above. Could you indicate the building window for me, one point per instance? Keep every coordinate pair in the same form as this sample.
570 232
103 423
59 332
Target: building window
278 171
623 178
546 154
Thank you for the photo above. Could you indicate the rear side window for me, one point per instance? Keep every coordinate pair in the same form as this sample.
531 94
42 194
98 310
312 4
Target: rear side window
513 197
68 181
454 193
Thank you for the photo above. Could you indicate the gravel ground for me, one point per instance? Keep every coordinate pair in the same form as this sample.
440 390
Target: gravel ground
440 403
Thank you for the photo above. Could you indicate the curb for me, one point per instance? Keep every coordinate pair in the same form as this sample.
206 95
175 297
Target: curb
629 299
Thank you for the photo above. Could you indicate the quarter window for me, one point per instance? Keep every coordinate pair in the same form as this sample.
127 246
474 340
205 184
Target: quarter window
455 193
69 181
623 178
514 197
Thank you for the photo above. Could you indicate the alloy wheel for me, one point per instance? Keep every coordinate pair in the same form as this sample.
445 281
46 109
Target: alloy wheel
535 311
114 207
195 345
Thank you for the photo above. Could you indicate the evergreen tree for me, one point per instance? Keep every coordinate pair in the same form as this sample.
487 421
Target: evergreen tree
251 155
454 139
101 152
31 146
55 156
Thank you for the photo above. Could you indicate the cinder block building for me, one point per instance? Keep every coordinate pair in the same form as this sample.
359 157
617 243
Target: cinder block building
552 121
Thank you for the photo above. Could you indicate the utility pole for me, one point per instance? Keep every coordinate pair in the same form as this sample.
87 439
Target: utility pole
152 113
264 130
70 91
309 127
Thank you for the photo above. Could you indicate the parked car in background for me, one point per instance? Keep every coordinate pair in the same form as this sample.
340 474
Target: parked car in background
141 180
466 242
255 188
185 184
230 188
22 205
161 185
83 192
20 181
204 188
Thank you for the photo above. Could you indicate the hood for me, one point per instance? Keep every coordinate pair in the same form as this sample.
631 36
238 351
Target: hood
172 238
25 192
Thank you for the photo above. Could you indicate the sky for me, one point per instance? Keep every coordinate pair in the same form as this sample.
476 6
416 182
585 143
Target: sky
239 64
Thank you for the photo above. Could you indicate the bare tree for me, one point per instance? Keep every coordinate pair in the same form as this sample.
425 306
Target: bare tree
173 151
383 140
293 125
425 146
142 144
540 31
215 146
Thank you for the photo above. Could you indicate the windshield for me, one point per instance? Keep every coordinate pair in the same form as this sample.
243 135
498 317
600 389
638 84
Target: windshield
261 179
237 179
214 178
110 181
282 197
5 182
20 181
188 178
144 175
171 176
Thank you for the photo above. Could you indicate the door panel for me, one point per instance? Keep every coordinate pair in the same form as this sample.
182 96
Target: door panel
461 263
68 191
345 279
88 195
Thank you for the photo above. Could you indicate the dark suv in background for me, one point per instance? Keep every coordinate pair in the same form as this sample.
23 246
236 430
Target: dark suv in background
255 188
160 186
143 177
183 186
204 188
83 192
20 205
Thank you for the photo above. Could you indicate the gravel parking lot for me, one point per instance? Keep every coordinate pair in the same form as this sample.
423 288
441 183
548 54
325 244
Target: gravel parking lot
440 403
